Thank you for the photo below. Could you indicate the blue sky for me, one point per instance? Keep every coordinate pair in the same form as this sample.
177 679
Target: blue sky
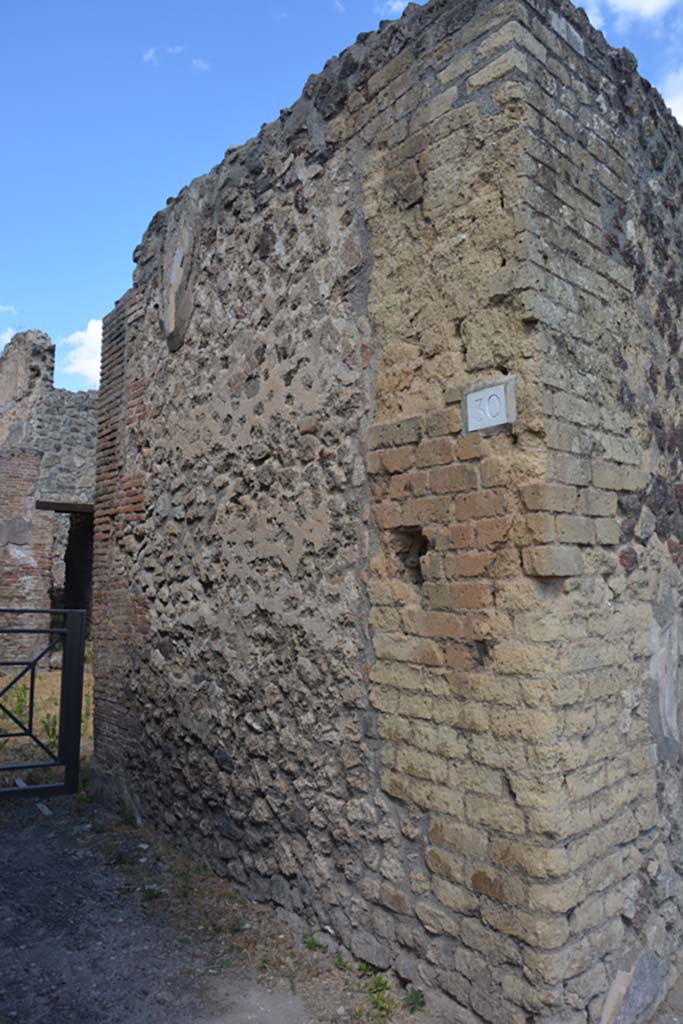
109 108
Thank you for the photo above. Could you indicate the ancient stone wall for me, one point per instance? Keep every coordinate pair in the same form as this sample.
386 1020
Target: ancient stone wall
416 685
47 453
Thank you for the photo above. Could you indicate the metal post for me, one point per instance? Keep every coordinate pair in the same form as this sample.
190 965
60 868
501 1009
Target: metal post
71 698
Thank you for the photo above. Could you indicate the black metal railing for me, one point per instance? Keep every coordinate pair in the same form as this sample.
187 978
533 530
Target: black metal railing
71 634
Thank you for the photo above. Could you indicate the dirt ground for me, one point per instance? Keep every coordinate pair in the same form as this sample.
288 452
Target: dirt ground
102 925
45 724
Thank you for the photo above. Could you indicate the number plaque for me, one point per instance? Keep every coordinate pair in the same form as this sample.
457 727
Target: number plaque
490 406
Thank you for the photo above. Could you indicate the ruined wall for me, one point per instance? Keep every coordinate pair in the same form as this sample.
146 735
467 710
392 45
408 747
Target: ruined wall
404 681
47 452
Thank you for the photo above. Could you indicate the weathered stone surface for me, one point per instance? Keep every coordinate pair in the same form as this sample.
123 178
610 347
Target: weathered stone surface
431 682
636 993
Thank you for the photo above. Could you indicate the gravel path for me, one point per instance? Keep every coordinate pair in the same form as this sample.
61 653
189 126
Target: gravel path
79 944
99 924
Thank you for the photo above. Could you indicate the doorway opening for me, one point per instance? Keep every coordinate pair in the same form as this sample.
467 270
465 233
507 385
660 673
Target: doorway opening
74 589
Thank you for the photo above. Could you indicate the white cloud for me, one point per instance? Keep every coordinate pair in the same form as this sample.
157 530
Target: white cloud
84 355
201 65
392 8
8 309
155 53
629 9
672 91
5 336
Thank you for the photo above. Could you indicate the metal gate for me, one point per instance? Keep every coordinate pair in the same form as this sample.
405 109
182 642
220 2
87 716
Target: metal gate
70 633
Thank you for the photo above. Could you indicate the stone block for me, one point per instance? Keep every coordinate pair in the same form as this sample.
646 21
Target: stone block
512 33
574 529
401 432
435 451
593 502
452 479
397 460
509 62
551 560
458 596
443 421
501 815
488 503
612 476
492 532
607 532
549 497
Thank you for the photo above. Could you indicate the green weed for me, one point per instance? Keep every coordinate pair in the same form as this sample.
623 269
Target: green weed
381 999
152 892
16 700
126 814
85 716
415 1000
50 725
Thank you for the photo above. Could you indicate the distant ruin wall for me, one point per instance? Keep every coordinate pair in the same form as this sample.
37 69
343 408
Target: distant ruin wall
47 452
416 685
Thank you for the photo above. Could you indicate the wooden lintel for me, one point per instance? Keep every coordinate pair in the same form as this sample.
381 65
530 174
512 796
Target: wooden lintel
65 506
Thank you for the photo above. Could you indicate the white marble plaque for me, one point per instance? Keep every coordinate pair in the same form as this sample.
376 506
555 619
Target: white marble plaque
490 406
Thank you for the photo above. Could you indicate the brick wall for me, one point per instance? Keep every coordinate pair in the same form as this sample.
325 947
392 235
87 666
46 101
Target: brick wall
118 616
